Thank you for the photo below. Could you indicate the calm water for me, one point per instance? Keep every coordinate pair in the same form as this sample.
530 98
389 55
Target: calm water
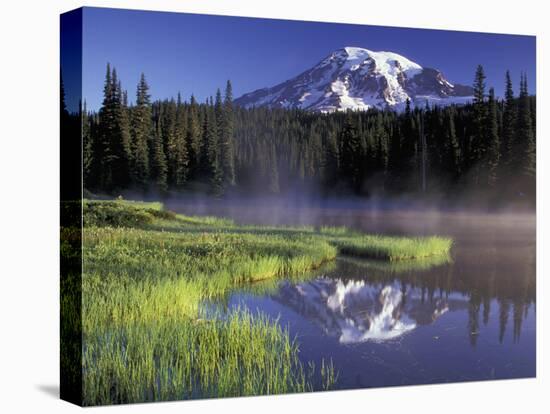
472 318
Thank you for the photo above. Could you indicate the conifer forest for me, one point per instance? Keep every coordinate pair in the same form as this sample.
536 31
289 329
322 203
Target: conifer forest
175 146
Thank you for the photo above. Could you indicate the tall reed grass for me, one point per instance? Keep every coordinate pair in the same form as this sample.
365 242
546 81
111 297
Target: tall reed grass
146 273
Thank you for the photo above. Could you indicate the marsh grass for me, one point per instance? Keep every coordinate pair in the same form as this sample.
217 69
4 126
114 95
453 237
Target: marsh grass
145 276
393 248
182 359
146 273
397 267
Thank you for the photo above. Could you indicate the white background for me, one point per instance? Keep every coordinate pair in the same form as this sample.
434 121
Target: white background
29 191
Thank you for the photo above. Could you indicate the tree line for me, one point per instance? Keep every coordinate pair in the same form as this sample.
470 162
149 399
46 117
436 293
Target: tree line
486 147
161 146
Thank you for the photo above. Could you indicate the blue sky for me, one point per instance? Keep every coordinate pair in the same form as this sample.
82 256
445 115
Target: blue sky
196 54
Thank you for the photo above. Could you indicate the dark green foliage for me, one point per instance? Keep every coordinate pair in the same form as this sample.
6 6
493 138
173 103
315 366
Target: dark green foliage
493 144
141 135
509 119
227 146
487 146
526 138
331 160
193 138
208 166
180 168
273 171
110 213
478 143
169 139
121 214
452 147
87 146
159 169
351 153
113 148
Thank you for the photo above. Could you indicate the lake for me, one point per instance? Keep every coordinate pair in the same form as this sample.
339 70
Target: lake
471 317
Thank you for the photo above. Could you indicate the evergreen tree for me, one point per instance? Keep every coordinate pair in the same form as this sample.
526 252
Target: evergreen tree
478 144
273 180
382 155
394 157
409 149
509 120
193 138
331 160
64 114
114 136
177 145
159 168
209 170
493 145
170 139
87 149
526 138
351 153
106 123
227 150
141 130
453 148
126 137
217 142
181 172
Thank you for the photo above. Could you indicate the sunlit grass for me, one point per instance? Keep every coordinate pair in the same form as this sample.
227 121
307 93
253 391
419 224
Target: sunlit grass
393 248
145 205
143 284
148 271
181 359
399 266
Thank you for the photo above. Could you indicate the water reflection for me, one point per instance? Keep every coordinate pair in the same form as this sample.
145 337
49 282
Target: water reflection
466 317
358 300
356 312
504 278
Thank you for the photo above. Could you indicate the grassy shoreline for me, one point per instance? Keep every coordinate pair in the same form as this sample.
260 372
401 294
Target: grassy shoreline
146 272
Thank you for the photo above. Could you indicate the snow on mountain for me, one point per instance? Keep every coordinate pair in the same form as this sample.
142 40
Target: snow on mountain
359 79
355 312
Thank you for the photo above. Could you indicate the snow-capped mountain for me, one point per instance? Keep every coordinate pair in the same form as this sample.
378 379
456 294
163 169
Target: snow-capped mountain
359 79
355 311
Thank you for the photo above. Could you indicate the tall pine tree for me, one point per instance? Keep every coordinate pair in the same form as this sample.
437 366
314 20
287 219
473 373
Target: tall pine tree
493 144
227 150
193 138
478 143
114 136
181 172
159 168
141 129
509 120
526 138
452 146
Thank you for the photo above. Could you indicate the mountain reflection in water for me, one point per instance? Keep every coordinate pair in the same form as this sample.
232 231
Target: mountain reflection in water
350 310
357 312
470 316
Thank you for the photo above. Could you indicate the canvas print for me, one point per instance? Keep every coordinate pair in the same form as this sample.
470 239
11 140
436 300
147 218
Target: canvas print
258 206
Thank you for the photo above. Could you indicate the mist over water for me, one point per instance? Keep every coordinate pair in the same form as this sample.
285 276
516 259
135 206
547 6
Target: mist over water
472 317
391 216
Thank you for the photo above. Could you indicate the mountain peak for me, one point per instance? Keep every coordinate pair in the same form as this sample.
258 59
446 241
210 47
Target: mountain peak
357 78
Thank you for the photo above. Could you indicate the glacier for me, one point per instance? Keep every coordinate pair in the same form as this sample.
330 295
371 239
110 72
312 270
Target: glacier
360 79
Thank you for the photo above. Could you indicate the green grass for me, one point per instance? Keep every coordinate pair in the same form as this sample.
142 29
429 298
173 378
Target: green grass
147 272
393 248
180 359
141 205
396 267
145 275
